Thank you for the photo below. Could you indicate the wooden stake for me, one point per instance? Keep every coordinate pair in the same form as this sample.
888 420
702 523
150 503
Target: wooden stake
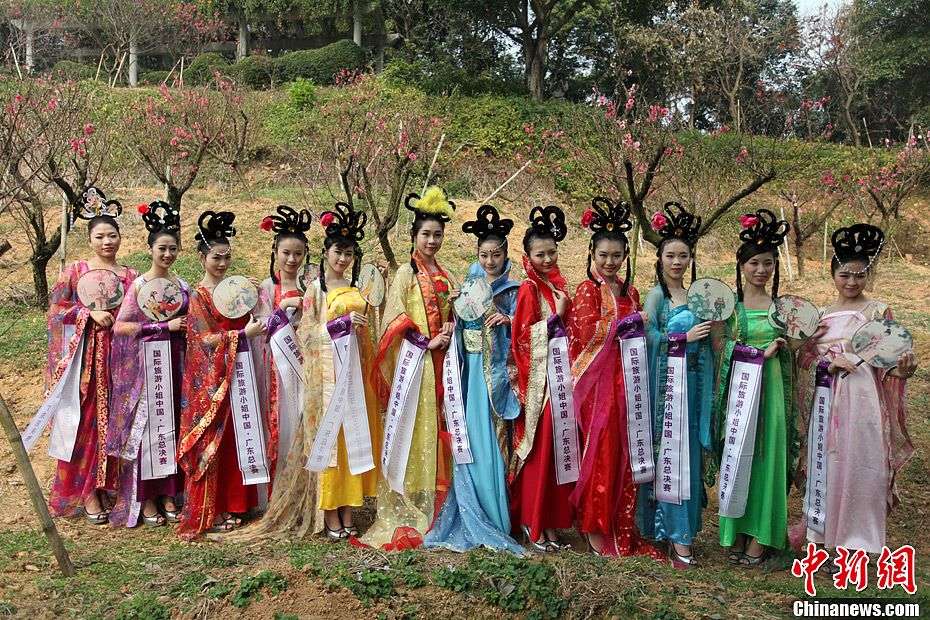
788 253
507 182
823 264
63 246
429 171
35 491
868 137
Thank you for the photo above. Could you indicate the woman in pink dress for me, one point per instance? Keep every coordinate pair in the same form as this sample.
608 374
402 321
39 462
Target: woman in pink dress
866 442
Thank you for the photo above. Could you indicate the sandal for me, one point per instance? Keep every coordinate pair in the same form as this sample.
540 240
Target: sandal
753 560
97 518
172 516
680 561
735 556
541 545
335 535
156 520
221 527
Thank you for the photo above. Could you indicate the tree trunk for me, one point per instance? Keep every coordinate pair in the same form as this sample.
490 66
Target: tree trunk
242 43
133 63
39 279
535 57
384 239
851 123
357 22
173 196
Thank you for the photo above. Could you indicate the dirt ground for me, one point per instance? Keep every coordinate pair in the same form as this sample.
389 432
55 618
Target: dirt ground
28 580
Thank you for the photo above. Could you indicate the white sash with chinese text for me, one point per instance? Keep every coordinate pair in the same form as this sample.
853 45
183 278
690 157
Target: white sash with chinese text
815 497
64 405
564 426
347 408
288 364
455 405
740 432
157 401
674 448
402 410
632 337
247 419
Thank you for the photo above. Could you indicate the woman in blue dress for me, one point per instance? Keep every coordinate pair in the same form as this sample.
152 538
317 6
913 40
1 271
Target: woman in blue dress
670 320
476 511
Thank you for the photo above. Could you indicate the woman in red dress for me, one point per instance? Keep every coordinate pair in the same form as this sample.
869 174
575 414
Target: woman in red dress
213 489
605 495
538 504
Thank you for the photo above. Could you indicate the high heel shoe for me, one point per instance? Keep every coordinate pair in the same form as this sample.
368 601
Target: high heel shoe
541 545
680 561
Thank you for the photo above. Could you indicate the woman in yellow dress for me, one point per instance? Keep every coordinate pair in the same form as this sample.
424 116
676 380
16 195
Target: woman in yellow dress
332 299
416 456
315 489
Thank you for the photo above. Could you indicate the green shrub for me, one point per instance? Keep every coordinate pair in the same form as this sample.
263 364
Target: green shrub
201 69
154 78
70 70
302 94
321 65
256 72
437 78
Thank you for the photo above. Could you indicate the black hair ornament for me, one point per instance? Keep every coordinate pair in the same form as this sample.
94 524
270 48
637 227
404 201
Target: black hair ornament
288 221
344 222
858 242
93 203
215 227
488 222
159 216
548 222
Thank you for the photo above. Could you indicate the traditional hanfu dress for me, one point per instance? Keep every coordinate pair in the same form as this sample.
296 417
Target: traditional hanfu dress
281 414
418 302
338 487
69 324
776 448
678 523
128 410
299 495
866 439
605 494
207 446
536 499
476 511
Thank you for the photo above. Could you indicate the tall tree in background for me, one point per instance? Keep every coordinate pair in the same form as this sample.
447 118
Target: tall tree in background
532 25
895 39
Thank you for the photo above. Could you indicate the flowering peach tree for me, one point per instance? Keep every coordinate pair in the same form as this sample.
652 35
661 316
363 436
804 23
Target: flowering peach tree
178 131
638 151
373 143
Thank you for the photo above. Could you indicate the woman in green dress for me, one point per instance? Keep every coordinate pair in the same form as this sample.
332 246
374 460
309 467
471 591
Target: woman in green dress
763 524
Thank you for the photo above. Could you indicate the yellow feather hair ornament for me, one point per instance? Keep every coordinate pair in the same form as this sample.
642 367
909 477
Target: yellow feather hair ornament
433 202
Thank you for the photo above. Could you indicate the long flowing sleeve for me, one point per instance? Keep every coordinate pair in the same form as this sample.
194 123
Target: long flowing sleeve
894 406
63 309
210 363
584 318
395 321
